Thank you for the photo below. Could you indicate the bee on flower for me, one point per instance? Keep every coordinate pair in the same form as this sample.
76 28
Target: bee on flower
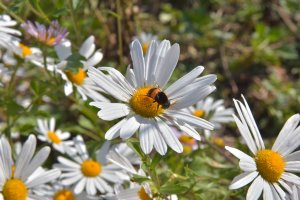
271 171
19 178
146 103
84 173
85 58
56 137
50 36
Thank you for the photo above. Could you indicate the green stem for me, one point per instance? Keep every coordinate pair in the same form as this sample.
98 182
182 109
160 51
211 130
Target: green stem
153 175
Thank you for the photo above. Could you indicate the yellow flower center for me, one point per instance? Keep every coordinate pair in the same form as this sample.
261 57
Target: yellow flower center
91 168
199 113
26 51
270 165
219 142
187 149
14 189
145 105
145 46
76 78
53 137
50 41
143 194
187 139
64 195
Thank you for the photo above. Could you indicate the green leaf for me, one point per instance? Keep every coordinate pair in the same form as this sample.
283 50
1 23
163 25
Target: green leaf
171 188
134 144
13 108
155 160
139 179
74 62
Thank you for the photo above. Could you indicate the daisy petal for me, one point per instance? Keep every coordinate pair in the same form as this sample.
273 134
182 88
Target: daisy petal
239 154
138 62
111 111
242 180
146 137
88 47
169 63
255 189
288 127
25 155
129 127
190 119
159 143
113 132
44 177
184 81
169 136
293 156
37 161
192 97
292 166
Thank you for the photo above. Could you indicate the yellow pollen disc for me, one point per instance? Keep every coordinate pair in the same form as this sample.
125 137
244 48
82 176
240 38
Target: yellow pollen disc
26 51
14 189
145 46
199 113
144 105
270 165
219 142
53 137
143 194
50 41
91 168
187 149
187 139
76 78
64 195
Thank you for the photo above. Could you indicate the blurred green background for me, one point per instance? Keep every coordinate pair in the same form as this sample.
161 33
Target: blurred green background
253 46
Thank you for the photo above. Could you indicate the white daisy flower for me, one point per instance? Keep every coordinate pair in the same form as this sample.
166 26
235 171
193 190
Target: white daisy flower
271 170
7 33
213 111
189 143
33 55
79 79
145 40
135 190
15 181
147 104
56 137
56 191
86 173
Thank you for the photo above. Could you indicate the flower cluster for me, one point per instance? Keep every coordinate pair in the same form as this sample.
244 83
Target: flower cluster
143 116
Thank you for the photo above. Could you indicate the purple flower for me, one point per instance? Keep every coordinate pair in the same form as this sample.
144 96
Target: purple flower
51 36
